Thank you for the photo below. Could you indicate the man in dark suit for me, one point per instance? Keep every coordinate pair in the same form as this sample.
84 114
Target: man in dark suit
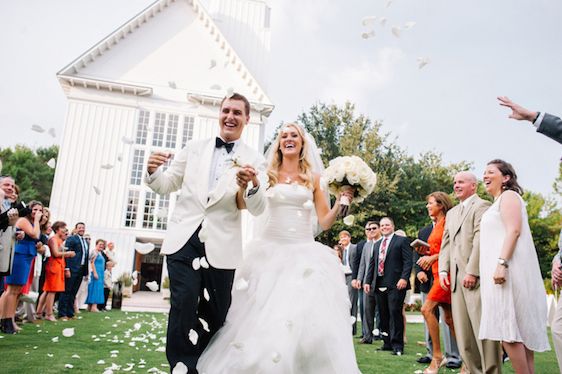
349 256
389 274
366 247
546 124
76 269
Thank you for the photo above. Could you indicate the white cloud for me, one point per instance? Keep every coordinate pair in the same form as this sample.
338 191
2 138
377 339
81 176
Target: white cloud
354 83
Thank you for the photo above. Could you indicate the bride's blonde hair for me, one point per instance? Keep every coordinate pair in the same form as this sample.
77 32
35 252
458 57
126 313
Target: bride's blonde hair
305 172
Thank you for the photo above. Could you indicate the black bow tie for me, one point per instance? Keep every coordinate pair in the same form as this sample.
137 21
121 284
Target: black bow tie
221 143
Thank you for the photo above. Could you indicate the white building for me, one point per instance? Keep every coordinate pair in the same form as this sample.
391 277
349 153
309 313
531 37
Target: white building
153 84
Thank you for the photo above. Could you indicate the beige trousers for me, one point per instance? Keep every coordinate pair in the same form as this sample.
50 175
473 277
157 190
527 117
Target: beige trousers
479 356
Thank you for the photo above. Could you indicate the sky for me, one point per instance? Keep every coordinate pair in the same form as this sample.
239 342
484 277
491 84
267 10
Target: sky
477 49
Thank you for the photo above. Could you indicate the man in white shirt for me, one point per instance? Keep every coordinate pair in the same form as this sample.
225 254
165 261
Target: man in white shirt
349 256
203 243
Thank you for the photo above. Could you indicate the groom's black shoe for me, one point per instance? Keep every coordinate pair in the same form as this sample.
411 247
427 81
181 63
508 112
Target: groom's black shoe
424 360
385 348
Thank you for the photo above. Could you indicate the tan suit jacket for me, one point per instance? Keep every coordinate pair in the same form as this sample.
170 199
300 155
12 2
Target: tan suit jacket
460 248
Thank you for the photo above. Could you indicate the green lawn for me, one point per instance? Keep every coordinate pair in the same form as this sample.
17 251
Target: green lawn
134 341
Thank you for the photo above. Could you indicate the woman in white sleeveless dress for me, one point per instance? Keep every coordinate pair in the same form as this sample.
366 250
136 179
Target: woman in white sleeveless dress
290 308
514 307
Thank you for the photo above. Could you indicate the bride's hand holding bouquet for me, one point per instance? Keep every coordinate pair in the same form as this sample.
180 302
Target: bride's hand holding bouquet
351 178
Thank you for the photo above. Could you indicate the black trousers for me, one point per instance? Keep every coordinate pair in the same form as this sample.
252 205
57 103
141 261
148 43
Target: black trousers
188 303
71 286
390 304
370 304
105 297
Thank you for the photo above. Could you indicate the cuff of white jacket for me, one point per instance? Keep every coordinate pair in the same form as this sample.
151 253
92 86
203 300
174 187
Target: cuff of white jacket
149 178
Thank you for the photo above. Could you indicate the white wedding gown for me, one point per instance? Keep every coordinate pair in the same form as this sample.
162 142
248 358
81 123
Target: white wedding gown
290 309
515 311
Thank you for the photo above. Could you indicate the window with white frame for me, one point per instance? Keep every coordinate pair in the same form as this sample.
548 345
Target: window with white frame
132 206
187 134
149 204
172 131
155 131
142 127
137 167
159 129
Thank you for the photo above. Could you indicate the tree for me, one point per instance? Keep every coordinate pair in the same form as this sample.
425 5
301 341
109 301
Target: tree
340 132
545 222
30 171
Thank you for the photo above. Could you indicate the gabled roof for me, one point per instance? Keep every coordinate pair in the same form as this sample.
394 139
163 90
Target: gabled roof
70 74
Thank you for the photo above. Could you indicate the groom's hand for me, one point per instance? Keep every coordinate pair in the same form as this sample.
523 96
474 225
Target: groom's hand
156 160
246 174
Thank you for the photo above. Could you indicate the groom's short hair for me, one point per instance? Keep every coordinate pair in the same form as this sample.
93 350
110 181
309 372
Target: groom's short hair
239 97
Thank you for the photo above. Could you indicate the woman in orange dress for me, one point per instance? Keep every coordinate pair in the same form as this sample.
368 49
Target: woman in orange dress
438 203
54 274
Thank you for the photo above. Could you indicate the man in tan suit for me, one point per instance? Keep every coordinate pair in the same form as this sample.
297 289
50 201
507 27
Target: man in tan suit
459 259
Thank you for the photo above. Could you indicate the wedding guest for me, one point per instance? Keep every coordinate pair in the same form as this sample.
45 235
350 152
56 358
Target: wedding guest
459 271
438 204
107 282
389 274
54 280
7 231
349 255
206 224
82 292
76 269
513 294
545 123
373 234
25 251
26 306
109 257
95 286
425 277
556 326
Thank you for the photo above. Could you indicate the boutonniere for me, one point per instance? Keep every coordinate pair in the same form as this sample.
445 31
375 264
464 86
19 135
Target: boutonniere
235 162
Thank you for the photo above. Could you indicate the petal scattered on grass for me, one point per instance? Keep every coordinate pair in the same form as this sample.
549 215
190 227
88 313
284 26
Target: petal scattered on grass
68 332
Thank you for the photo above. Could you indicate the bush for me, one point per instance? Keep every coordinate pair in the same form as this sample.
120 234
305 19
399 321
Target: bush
126 280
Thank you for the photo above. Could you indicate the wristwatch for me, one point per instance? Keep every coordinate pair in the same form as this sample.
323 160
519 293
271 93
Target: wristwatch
503 262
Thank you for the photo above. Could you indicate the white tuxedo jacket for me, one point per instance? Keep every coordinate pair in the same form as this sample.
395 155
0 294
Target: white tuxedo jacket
216 210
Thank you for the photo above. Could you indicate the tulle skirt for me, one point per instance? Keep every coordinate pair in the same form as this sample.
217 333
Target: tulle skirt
290 313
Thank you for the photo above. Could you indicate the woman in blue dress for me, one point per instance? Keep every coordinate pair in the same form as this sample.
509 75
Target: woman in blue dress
24 253
95 287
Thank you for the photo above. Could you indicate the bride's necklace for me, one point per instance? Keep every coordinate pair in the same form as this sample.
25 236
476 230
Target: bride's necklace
291 178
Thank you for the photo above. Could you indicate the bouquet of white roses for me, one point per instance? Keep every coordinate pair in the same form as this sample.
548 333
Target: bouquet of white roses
349 172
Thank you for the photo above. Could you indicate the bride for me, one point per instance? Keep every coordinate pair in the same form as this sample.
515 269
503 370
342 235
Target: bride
290 308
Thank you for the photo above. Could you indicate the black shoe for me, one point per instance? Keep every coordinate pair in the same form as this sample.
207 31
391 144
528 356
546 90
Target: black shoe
385 348
453 364
366 341
7 326
397 352
424 360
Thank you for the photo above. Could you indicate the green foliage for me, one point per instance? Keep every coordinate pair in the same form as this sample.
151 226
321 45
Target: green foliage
545 221
29 169
340 132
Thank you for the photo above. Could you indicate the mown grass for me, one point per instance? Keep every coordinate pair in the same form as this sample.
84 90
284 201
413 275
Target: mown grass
139 340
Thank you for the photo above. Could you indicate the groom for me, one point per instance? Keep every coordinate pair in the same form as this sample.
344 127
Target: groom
205 227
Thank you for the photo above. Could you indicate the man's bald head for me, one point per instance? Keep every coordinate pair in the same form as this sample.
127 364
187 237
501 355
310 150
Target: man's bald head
464 185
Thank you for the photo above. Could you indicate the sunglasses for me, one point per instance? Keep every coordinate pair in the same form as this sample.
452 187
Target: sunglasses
371 228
